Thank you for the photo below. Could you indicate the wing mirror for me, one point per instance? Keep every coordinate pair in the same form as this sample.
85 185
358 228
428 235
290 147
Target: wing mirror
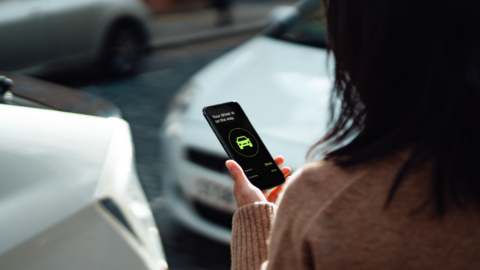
5 84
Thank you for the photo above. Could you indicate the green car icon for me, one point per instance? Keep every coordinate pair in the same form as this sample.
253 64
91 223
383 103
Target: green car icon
243 141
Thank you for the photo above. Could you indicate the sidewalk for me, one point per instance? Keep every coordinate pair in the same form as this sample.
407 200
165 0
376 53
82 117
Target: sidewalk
176 29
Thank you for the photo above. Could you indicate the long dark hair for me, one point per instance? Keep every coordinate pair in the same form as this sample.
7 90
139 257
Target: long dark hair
407 74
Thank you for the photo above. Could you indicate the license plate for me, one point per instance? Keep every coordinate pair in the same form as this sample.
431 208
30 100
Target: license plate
215 195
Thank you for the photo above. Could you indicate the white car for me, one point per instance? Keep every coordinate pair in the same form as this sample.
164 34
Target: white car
282 81
40 32
70 196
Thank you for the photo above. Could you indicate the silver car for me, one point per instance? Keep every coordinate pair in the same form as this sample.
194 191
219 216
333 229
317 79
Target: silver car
34 33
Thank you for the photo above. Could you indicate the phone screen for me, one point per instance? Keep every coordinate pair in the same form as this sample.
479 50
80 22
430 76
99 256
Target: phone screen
243 144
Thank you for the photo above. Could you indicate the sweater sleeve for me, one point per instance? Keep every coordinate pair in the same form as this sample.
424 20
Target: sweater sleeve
287 247
251 229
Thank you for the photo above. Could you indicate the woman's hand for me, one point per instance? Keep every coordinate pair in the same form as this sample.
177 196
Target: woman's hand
246 193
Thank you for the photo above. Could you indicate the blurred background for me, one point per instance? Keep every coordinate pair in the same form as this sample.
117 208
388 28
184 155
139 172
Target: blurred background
145 61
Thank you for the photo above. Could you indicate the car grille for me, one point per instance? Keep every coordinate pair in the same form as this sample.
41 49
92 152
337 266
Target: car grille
216 216
207 160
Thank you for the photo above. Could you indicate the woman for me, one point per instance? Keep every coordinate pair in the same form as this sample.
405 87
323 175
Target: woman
398 187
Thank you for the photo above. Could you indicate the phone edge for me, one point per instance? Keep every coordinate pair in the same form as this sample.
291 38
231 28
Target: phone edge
219 138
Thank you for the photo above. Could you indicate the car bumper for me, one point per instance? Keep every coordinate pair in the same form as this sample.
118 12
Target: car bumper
180 177
189 217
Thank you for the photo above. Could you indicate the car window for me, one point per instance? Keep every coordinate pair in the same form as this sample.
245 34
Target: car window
305 27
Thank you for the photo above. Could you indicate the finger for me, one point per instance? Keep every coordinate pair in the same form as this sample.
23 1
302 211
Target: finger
286 171
275 193
236 172
279 160
273 196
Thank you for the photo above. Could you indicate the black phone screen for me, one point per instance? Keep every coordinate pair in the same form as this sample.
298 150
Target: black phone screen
243 144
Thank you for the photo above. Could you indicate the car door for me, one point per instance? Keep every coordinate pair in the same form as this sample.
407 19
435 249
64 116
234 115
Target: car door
23 33
75 24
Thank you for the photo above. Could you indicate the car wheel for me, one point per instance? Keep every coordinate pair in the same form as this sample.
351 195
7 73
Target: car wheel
123 52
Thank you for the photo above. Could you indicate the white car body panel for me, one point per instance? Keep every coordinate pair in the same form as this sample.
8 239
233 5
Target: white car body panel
56 168
283 87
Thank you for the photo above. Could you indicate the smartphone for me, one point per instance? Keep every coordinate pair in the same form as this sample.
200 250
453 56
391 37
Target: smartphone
243 144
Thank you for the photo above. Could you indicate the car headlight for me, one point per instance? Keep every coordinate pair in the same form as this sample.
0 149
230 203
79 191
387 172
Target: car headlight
181 101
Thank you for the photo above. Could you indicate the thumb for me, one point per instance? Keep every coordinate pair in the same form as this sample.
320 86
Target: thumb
236 171
244 192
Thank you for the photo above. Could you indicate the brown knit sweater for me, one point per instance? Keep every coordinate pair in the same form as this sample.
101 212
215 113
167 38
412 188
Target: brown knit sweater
333 218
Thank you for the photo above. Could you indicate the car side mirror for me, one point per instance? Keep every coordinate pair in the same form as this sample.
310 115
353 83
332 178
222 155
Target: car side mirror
5 85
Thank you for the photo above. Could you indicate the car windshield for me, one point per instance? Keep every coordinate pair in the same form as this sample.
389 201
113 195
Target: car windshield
307 26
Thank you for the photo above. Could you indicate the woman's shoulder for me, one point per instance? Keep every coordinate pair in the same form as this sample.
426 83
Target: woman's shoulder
316 184
327 174
319 178
311 187
307 194
325 188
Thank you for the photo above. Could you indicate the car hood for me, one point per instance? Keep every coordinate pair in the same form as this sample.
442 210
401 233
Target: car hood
62 98
283 87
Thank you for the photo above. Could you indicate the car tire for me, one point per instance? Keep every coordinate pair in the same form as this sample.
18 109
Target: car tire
123 51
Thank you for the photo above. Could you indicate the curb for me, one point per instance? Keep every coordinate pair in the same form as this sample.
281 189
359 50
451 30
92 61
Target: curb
165 43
